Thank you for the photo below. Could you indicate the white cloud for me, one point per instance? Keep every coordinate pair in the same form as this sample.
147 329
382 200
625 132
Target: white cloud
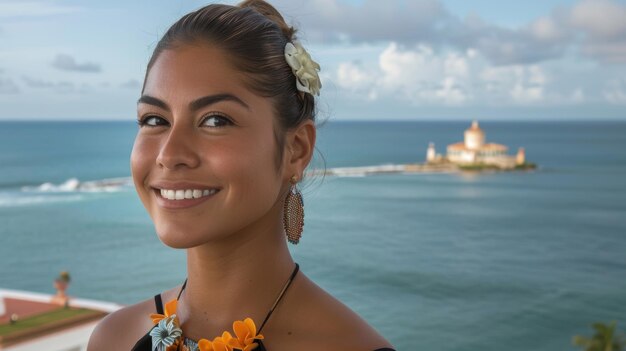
7 86
58 87
593 28
416 76
131 84
546 28
526 94
426 22
518 84
577 96
600 18
397 20
610 52
404 69
536 76
425 76
68 63
456 65
450 92
603 25
352 76
615 92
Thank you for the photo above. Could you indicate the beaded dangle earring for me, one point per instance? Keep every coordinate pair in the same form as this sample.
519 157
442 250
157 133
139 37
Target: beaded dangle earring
293 219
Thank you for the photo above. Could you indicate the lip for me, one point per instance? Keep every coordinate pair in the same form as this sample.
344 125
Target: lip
180 185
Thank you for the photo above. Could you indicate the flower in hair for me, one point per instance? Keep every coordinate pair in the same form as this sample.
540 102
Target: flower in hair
305 69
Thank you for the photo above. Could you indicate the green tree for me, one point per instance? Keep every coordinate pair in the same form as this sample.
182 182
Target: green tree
605 339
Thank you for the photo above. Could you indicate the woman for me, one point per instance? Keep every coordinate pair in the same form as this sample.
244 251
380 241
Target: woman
226 131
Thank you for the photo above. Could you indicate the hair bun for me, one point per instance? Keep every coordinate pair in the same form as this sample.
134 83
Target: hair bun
272 14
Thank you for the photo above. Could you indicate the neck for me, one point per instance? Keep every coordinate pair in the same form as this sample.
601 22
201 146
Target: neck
238 277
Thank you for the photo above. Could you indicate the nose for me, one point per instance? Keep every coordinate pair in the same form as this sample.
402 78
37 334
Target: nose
177 150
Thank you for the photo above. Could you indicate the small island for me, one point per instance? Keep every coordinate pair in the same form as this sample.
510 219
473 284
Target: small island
474 154
471 155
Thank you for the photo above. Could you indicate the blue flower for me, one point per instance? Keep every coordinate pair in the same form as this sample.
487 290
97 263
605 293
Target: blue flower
165 333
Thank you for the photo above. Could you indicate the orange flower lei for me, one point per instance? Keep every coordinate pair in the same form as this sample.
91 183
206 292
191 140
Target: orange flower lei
245 334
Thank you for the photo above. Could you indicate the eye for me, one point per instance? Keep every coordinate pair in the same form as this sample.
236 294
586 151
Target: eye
216 121
151 121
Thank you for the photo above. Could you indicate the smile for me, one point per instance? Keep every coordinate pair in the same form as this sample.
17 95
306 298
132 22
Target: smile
179 199
186 194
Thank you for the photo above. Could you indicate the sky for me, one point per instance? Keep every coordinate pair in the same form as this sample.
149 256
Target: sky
380 60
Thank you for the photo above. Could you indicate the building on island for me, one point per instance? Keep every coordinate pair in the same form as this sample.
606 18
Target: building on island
475 151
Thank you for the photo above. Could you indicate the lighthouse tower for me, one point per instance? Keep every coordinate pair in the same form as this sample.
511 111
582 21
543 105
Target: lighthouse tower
474 137
430 152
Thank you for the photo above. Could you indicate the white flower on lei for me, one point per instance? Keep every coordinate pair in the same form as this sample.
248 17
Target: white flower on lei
304 68
165 333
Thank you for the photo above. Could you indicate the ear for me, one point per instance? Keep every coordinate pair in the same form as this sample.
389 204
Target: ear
300 145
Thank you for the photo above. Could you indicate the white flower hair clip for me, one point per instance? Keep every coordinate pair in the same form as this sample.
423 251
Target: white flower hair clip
305 69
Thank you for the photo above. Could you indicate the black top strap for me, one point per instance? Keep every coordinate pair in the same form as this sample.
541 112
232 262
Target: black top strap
181 289
159 303
293 274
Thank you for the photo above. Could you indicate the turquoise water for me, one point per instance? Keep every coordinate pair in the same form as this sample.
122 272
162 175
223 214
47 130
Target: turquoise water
515 261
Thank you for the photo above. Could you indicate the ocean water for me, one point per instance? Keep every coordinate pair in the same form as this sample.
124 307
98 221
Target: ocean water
515 261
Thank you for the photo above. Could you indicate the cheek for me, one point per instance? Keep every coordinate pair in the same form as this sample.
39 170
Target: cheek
251 165
140 161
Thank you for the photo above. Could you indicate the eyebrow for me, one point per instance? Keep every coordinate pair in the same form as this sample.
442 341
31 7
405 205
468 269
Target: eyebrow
194 105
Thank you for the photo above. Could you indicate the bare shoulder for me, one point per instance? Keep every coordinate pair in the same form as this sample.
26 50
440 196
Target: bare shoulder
120 330
312 319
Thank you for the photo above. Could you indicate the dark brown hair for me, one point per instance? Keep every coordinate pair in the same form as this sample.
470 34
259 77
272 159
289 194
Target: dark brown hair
253 34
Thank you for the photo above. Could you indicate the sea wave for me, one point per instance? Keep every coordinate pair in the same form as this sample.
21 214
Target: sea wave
74 185
15 201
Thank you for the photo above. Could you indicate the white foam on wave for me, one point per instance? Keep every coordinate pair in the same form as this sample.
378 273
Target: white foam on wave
74 185
15 201
351 175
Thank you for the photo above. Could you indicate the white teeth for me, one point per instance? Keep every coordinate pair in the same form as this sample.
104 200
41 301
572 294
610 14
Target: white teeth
186 194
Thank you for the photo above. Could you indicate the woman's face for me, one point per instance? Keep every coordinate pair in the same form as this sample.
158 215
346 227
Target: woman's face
203 131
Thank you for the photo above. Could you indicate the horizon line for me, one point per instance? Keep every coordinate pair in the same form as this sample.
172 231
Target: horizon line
603 119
